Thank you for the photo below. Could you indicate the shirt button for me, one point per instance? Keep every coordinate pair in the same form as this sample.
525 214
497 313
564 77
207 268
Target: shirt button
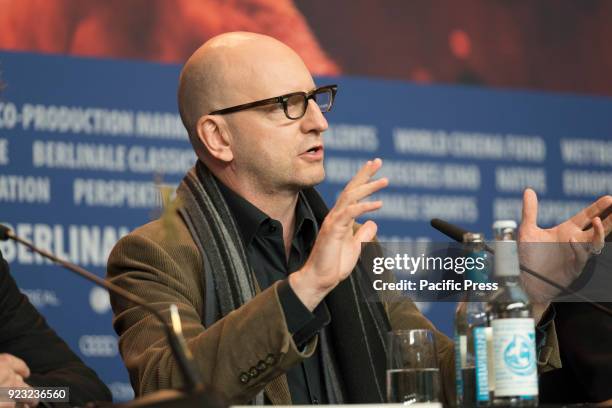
261 366
315 401
272 228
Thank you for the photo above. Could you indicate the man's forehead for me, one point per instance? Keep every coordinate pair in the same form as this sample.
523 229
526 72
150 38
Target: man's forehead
244 67
258 79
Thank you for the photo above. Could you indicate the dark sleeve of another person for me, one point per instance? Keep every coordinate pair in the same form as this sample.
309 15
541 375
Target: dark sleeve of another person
585 344
24 333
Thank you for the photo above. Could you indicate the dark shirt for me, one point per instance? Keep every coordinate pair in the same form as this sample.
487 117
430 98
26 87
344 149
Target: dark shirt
265 248
585 339
24 333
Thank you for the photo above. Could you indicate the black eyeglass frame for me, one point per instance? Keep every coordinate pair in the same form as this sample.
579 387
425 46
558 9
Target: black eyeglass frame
283 99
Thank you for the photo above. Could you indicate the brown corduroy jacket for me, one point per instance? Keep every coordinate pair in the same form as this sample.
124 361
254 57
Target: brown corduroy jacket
246 351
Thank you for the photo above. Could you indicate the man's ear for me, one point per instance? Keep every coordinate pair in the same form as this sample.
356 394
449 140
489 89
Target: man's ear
215 138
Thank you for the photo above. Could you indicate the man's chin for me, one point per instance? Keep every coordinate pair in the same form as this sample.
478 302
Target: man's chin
318 179
312 181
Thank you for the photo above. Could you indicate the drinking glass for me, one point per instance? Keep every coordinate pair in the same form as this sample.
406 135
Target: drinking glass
412 367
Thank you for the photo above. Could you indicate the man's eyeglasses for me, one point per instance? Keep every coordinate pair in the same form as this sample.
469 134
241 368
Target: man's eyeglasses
294 104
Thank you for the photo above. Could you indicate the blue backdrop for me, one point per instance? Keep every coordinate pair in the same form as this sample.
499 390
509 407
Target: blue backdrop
82 141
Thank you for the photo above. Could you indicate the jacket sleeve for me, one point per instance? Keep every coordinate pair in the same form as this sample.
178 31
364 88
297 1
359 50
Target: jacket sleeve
237 356
24 333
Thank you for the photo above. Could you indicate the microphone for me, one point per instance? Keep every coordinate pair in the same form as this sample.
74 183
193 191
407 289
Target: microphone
178 345
452 231
455 232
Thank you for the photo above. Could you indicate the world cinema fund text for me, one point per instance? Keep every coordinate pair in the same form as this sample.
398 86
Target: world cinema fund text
402 264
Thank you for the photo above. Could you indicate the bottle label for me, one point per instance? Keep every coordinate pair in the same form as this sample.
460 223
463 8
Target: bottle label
460 350
515 357
481 363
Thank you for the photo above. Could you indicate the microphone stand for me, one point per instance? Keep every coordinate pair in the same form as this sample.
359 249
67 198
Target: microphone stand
194 385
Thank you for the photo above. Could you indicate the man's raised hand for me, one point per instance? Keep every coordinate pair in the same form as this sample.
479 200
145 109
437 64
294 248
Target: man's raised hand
337 247
560 252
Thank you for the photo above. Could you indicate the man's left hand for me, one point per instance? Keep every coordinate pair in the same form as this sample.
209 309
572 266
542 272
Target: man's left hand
559 253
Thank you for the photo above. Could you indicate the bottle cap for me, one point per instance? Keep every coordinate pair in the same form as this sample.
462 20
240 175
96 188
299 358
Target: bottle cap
503 224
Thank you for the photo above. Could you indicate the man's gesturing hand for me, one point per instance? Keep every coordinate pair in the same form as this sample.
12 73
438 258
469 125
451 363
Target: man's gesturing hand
337 248
562 257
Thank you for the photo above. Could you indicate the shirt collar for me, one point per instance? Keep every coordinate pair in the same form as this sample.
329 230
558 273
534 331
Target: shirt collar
249 218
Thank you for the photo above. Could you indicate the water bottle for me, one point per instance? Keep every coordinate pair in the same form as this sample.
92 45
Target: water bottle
514 347
472 331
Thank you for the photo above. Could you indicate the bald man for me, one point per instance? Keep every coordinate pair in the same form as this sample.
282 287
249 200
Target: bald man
268 281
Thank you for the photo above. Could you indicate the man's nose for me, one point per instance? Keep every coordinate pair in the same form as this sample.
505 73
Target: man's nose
313 119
